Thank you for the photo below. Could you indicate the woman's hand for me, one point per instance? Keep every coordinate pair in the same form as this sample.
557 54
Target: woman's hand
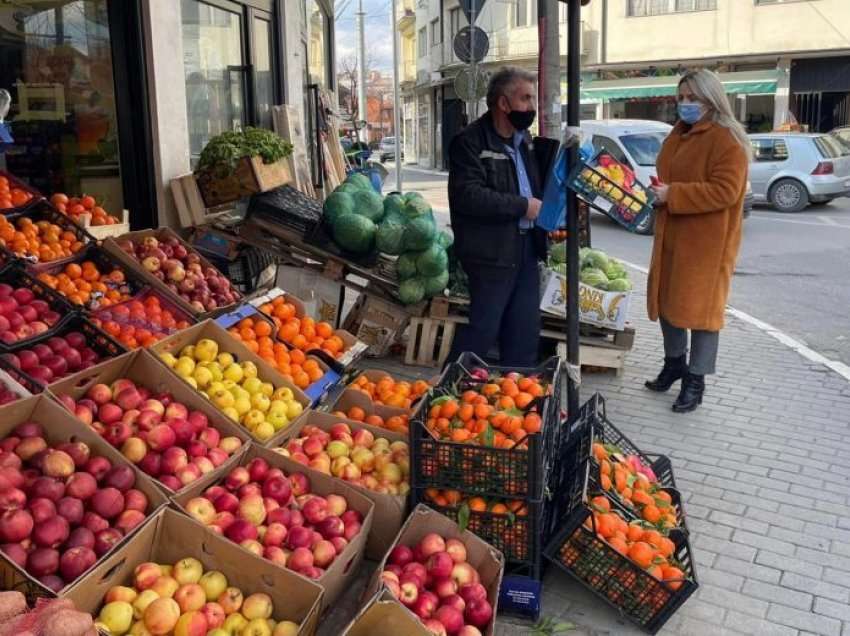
660 191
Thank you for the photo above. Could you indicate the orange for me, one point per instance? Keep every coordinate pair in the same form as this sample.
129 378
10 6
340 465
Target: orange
641 553
356 413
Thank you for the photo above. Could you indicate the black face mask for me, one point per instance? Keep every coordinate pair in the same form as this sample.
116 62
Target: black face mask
521 119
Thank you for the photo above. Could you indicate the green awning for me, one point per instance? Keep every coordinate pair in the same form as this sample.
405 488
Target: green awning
740 83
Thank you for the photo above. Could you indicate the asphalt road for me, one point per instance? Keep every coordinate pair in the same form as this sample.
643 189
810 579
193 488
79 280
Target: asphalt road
793 270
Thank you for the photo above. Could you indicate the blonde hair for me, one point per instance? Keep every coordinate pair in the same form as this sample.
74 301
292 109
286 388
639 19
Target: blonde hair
707 87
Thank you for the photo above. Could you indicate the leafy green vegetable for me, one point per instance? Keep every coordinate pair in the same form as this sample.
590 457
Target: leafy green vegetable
446 239
369 203
354 233
420 232
405 266
411 291
432 261
361 181
337 204
436 285
226 149
594 277
390 237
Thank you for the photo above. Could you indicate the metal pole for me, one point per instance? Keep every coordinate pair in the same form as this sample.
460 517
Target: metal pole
573 96
548 68
396 99
361 70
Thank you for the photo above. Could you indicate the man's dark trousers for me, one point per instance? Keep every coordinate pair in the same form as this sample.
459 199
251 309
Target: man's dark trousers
504 309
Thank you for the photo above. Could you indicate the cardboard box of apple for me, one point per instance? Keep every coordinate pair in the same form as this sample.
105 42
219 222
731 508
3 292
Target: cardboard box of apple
170 264
313 525
383 615
371 459
66 497
236 381
163 427
176 578
449 579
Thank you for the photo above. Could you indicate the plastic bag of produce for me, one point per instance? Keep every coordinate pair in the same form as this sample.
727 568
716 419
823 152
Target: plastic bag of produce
411 291
354 233
405 266
390 235
432 261
436 285
370 204
420 232
338 203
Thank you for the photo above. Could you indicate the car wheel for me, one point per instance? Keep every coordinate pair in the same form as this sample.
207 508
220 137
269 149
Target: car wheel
647 226
788 195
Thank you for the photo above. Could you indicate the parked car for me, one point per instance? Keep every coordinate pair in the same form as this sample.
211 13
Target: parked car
791 170
633 142
386 151
843 134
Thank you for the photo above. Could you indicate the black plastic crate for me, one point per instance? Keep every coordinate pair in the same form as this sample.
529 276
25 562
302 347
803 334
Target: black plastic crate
14 182
634 592
25 381
101 342
595 427
105 263
482 470
42 210
12 274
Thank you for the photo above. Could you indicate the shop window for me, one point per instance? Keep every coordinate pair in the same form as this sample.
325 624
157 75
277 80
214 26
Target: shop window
318 26
422 41
436 32
56 62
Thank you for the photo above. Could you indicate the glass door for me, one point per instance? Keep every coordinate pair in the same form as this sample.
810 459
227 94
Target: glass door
262 63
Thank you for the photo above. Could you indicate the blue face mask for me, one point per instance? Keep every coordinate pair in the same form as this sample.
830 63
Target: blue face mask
690 112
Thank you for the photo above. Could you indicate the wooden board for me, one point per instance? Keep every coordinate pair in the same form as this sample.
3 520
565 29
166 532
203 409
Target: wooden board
288 124
430 342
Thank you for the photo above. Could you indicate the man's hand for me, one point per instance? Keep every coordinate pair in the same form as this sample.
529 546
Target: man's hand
533 210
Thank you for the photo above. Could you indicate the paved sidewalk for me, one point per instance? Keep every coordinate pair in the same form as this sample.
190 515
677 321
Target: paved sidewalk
763 468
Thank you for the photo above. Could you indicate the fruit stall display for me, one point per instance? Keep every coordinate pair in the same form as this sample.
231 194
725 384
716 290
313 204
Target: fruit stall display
237 382
68 497
313 525
641 564
385 390
175 267
74 346
41 235
375 462
10 389
28 308
92 279
449 578
142 321
175 578
165 428
357 406
84 210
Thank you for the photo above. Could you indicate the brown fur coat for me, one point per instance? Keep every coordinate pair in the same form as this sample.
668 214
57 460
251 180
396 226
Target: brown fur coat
698 230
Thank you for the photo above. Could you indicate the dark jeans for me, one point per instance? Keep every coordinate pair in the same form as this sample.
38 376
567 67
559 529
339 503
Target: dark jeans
504 309
703 347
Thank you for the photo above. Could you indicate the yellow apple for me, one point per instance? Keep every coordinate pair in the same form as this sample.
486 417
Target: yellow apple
117 616
249 369
188 351
222 398
206 350
264 431
168 359
225 358
260 402
253 419
283 393
294 409
202 376
242 405
268 389
184 367
233 372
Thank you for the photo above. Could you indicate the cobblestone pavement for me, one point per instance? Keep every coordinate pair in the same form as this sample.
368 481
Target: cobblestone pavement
763 470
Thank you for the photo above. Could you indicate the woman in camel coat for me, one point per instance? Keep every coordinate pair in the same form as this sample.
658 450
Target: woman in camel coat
702 170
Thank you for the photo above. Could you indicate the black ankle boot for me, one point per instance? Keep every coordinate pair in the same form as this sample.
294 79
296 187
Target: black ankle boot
674 369
690 397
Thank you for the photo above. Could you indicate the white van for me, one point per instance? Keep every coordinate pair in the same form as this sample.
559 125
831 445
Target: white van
634 142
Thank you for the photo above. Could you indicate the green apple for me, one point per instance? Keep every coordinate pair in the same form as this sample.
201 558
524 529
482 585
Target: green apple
203 376
225 359
206 350
168 359
232 413
249 369
260 402
233 372
294 410
222 398
264 431
242 405
253 419
252 385
283 393
184 367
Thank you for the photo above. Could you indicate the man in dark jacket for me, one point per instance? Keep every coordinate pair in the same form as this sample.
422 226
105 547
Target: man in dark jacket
496 180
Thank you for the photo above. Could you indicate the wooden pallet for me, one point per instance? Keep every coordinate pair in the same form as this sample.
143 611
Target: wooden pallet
603 351
430 341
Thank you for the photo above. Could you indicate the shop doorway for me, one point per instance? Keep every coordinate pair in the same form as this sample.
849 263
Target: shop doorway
57 60
454 120
822 111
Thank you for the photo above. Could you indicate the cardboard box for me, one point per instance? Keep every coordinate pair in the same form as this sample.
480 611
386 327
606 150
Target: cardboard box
353 348
130 262
339 576
145 370
352 397
376 322
60 426
489 562
385 616
13 385
226 343
390 510
172 536
596 307
325 296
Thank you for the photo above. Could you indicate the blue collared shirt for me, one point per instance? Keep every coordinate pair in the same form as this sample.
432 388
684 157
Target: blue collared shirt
523 182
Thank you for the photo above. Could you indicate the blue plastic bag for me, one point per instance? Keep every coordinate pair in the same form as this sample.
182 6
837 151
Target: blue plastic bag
553 211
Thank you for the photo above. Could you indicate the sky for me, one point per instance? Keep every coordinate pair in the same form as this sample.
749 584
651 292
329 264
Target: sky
379 46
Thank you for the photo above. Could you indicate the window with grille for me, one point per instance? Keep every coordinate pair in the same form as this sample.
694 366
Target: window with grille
641 8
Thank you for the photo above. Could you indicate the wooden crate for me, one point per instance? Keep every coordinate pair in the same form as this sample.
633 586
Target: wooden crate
100 232
604 350
249 177
430 341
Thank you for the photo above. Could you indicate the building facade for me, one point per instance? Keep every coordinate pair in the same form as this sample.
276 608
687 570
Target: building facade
117 97
780 60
